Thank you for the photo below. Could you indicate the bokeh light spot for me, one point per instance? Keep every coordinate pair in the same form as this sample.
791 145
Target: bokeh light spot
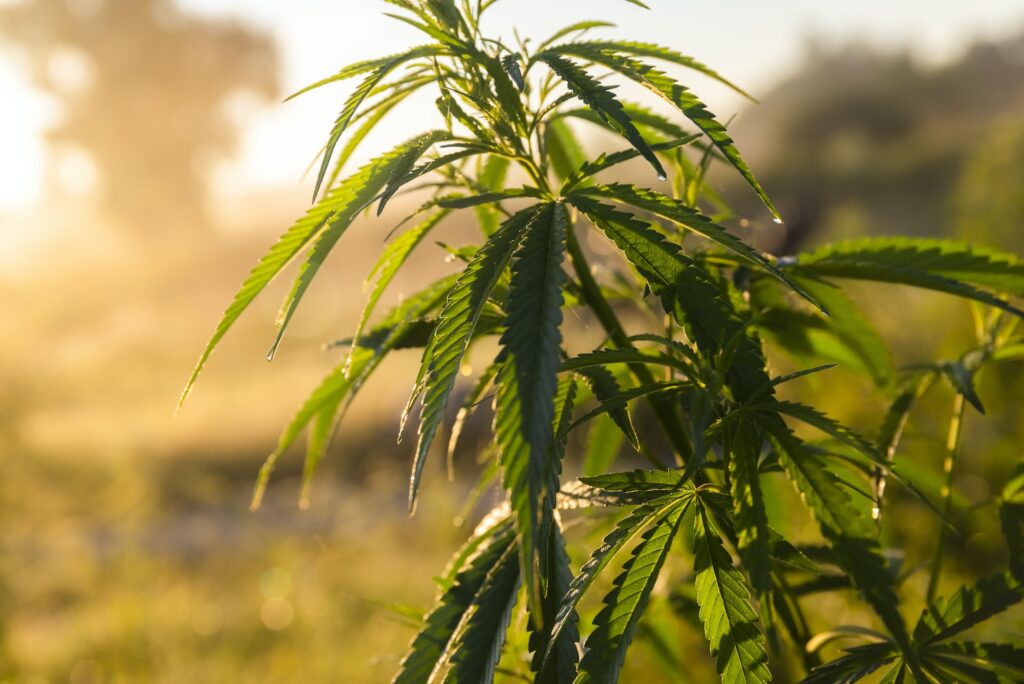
277 614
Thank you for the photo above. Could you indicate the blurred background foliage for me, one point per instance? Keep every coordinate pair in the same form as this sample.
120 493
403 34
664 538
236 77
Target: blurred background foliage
127 552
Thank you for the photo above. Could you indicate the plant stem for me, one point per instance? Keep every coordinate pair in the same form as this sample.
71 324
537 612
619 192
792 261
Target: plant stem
952 443
664 410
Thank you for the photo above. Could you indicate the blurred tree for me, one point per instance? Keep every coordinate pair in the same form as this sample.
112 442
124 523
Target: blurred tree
864 142
143 88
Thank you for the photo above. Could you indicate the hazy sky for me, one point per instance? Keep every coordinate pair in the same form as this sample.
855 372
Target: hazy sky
751 41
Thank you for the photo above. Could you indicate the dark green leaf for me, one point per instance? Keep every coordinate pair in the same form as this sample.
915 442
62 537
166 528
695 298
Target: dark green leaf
369 65
472 567
730 623
514 70
456 323
968 607
481 635
606 161
604 386
636 49
943 265
616 622
626 529
601 99
561 666
857 664
526 383
678 95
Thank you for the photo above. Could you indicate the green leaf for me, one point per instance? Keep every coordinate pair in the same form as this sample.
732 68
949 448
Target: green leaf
481 636
959 671
484 198
527 382
614 402
829 426
606 161
730 623
509 97
1011 352
606 357
371 117
857 664
637 49
647 120
942 265
678 212
447 14
561 666
616 622
345 380
332 212
345 214
406 174
368 65
472 566
687 292
962 380
514 70
678 95
335 207
601 99
968 607
565 402
458 319
896 675
356 99
662 481
389 263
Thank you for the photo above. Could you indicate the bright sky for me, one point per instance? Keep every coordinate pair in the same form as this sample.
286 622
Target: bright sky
750 41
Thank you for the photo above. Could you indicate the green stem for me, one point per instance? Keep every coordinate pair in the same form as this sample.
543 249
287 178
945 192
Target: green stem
664 410
956 424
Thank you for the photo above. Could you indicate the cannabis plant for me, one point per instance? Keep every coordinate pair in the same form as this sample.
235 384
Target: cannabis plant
686 309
